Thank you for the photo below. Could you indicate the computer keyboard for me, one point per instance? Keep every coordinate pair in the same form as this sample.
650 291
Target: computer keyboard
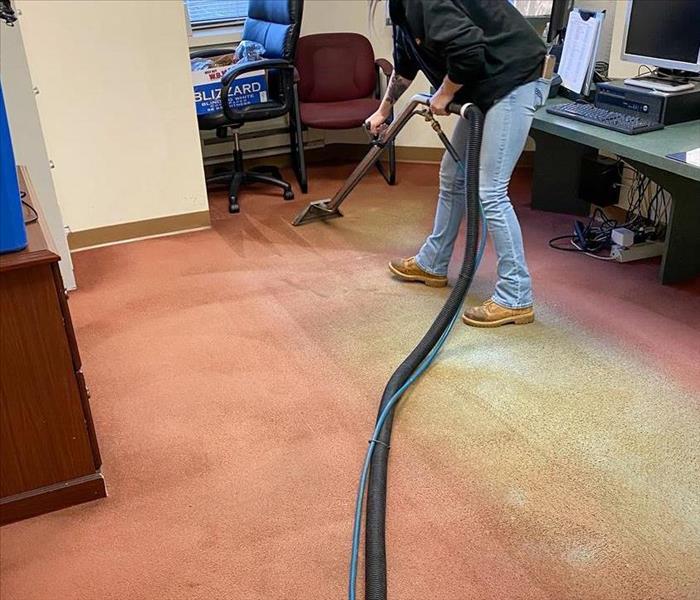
617 121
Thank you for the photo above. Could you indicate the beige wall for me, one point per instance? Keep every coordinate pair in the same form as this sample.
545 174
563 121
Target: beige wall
618 67
116 108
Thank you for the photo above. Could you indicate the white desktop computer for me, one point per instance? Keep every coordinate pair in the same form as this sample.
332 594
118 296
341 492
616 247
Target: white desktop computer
665 35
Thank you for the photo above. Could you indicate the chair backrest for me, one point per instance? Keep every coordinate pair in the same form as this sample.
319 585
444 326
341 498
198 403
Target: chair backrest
334 67
275 24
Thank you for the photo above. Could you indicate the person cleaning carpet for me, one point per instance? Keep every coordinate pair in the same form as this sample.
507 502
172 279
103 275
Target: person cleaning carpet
485 52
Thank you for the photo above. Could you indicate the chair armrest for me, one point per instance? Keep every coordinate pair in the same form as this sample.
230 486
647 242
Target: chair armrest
259 65
386 67
267 64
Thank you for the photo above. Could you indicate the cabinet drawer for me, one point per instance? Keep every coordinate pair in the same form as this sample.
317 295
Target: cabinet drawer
42 416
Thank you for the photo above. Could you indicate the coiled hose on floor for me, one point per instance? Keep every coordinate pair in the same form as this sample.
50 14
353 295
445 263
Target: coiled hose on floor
376 462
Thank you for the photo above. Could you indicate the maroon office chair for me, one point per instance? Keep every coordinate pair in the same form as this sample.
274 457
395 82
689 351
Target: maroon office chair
339 84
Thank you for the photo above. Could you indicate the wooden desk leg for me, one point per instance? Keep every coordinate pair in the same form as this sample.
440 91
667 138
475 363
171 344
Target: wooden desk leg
556 174
681 259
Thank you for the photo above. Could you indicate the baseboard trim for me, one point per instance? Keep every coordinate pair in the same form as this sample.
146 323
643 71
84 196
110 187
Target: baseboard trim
344 152
419 154
52 497
356 152
111 234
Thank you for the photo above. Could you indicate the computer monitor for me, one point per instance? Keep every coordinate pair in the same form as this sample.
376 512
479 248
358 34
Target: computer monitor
663 33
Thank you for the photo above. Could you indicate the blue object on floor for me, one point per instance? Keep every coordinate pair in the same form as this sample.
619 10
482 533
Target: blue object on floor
13 233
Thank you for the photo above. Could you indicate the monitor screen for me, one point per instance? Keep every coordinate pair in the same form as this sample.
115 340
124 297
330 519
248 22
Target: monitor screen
664 32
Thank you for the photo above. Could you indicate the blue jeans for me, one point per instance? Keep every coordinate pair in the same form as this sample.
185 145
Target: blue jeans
505 132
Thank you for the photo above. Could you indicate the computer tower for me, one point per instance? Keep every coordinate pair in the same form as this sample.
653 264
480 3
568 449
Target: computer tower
659 107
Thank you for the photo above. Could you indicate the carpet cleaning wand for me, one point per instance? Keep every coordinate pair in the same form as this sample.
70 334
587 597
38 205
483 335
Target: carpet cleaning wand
322 210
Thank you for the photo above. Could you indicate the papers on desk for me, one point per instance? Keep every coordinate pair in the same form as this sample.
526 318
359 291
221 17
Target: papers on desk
580 47
691 157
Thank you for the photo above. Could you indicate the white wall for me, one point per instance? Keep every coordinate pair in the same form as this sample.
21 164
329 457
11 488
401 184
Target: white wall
116 108
28 138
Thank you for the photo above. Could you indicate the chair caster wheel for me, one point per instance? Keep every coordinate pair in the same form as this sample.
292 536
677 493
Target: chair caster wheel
288 195
234 207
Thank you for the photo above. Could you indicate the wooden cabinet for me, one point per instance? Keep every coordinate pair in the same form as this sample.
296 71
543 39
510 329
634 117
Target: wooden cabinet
49 457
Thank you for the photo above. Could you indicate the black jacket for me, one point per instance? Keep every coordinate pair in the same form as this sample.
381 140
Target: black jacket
485 45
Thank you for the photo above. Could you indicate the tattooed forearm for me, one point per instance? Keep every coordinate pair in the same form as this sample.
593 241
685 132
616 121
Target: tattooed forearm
397 85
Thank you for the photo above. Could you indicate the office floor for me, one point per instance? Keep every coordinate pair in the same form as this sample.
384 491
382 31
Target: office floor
235 374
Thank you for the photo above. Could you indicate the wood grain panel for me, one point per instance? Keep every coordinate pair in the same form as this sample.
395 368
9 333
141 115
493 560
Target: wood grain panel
43 438
52 497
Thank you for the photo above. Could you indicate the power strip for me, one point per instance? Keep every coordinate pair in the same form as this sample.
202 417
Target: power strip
636 251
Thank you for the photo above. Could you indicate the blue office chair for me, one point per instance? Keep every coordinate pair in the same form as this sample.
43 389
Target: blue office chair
275 24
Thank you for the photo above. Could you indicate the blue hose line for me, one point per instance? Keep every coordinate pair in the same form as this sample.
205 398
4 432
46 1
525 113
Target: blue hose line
359 500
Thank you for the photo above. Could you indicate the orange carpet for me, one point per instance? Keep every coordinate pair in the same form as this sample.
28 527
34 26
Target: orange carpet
235 374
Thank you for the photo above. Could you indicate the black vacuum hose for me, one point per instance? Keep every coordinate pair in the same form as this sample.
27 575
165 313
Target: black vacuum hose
375 548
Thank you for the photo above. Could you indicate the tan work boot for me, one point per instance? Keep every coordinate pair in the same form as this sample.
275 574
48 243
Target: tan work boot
490 314
408 270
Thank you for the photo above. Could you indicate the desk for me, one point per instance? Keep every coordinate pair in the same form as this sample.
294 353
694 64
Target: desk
562 143
49 458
